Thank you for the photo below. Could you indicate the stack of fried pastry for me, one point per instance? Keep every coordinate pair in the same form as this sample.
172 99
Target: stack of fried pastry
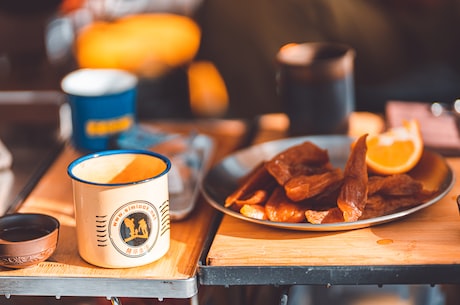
301 185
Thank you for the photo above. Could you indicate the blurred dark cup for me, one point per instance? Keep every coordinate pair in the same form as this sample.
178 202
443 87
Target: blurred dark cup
316 86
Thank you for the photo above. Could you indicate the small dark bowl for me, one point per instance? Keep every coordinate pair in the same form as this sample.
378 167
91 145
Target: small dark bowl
27 239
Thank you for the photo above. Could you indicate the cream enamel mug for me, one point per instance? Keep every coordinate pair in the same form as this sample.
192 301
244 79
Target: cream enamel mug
121 207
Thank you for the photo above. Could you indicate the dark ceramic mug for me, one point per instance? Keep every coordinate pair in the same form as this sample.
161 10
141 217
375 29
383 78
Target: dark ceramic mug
316 86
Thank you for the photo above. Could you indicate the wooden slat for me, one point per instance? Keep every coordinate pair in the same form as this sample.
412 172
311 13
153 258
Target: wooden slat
53 196
430 236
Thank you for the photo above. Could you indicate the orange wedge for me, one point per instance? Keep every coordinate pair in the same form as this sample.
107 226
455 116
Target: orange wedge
395 151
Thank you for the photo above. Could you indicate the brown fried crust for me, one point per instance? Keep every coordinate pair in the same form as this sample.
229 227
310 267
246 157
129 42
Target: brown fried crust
254 211
314 191
353 194
316 216
395 185
305 158
380 205
279 208
332 215
302 187
257 180
257 197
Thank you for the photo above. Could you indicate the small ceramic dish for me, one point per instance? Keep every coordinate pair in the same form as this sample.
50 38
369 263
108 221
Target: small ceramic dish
27 239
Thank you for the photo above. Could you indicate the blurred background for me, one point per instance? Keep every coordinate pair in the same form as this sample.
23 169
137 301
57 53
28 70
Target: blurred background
40 42
219 58
215 58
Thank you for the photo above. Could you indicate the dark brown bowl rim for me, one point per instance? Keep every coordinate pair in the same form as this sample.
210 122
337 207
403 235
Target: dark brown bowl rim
47 222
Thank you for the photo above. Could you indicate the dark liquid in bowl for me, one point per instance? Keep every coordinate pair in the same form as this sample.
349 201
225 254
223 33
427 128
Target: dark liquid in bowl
22 234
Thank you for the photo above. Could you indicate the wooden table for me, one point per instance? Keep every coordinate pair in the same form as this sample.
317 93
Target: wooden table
66 274
423 248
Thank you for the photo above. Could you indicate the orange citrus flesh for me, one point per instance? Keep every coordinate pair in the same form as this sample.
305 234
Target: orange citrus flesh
395 151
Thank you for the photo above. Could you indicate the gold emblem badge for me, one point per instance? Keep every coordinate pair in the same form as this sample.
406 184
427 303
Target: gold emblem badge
134 228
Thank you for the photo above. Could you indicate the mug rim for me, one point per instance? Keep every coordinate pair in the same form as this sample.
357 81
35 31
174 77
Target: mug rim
125 81
105 153
315 47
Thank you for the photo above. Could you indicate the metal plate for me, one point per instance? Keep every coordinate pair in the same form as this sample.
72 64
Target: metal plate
222 179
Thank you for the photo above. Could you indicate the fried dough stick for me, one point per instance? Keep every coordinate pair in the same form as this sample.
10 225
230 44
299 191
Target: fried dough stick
353 194
302 187
279 208
380 205
391 194
258 197
395 185
306 159
323 208
386 195
252 189
332 215
254 211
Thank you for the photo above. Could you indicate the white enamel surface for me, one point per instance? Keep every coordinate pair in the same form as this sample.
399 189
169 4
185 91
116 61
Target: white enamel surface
102 172
96 82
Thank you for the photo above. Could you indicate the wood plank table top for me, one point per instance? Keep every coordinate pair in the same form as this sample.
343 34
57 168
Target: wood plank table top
66 274
423 247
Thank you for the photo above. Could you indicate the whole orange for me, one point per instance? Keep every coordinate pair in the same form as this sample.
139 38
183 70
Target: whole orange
145 44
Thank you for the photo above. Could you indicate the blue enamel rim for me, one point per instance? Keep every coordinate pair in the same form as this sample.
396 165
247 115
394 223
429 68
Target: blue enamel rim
117 152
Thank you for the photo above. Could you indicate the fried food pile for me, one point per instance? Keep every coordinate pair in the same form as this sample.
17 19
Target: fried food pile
301 185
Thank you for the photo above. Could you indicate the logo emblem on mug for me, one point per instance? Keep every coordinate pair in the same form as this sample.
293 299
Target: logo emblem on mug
134 228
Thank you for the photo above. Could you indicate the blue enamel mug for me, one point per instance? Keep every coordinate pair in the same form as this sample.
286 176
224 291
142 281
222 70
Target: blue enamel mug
102 103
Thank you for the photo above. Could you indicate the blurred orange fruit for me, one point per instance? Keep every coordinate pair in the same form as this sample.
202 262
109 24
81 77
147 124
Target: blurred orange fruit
208 92
145 44
395 151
